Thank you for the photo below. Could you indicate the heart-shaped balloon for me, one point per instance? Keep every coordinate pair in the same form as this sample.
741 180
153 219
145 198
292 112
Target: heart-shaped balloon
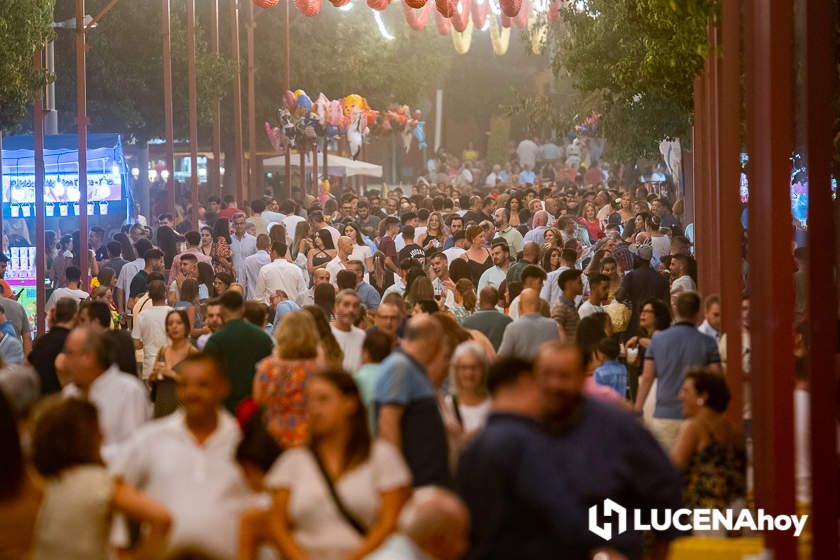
510 7
447 8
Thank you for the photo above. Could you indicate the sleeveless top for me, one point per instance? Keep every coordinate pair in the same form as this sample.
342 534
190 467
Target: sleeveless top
320 257
478 268
716 475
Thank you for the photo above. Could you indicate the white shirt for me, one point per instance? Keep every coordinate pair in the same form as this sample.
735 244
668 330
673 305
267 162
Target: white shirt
201 485
490 181
319 528
251 270
493 276
527 152
127 274
708 330
454 253
123 405
240 250
280 275
78 295
334 267
683 284
587 308
150 327
351 344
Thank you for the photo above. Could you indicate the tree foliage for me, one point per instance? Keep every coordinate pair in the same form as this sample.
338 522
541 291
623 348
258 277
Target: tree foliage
633 61
25 26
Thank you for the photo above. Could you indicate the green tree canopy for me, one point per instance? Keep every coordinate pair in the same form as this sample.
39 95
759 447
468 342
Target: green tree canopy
25 26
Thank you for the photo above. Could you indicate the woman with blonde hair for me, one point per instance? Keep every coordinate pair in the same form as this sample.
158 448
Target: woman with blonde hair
434 237
280 379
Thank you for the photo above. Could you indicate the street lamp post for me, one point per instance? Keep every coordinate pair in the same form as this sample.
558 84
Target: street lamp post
193 95
167 104
81 125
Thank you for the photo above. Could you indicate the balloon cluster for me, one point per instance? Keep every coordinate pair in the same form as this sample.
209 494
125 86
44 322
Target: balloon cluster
589 124
410 126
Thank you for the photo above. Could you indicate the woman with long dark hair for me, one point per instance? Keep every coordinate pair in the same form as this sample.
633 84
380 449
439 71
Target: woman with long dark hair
164 376
168 240
654 316
340 465
221 252
322 253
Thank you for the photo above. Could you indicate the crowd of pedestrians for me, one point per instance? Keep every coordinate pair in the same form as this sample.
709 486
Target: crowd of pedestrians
454 372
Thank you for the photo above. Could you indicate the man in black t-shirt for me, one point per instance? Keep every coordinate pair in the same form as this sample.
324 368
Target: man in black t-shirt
411 250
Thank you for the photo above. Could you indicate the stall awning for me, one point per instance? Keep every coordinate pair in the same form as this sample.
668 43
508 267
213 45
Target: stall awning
338 166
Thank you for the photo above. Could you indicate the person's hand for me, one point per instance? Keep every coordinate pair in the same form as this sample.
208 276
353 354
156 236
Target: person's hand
448 284
632 342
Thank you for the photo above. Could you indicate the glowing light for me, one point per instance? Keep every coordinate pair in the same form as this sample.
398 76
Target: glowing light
381 25
135 172
164 174
222 170
153 175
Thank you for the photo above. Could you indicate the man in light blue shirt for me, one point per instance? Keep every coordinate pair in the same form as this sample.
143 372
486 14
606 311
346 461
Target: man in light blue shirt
540 225
527 175
242 246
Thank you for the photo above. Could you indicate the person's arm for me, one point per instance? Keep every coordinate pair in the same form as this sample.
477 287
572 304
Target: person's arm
254 529
279 527
686 443
392 502
645 382
155 516
390 416
260 291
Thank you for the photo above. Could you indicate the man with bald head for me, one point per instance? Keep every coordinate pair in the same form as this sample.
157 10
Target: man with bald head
530 256
120 398
342 258
539 225
524 336
406 402
433 525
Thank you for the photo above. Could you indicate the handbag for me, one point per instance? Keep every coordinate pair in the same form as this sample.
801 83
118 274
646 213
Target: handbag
342 509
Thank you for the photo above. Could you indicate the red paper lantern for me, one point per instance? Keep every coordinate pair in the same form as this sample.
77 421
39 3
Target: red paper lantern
479 13
308 8
266 3
444 26
510 7
521 19
447 8
416 19
460 20
378 5
339 3
416 4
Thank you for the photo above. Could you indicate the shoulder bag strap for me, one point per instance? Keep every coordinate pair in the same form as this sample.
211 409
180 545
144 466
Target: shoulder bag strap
342 509
456 408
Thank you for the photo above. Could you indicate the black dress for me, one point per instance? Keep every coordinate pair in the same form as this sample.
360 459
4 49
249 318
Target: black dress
478 268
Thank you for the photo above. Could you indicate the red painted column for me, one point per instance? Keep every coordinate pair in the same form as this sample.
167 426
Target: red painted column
40 208
769 68
729 99
820 88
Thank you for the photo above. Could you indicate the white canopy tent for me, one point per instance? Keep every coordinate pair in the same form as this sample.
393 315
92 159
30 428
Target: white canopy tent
338 166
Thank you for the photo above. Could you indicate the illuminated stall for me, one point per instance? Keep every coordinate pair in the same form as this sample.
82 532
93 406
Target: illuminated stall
109 197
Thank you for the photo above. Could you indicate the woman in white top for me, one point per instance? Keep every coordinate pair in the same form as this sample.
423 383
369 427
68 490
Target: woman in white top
81 495
468 403
369 478
361 252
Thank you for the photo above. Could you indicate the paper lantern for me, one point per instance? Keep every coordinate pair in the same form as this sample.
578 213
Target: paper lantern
521 19
308 8
378 5
447 8
339 3
417 18
266 3
479 13
460 20
506 21
416 4
443 25
510 7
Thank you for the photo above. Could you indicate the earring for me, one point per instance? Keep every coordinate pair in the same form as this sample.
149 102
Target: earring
700 402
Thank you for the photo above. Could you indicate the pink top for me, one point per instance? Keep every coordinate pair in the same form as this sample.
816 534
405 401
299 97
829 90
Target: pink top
600 392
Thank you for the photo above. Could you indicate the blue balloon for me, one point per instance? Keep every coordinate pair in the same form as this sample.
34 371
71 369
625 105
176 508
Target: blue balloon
304 101
420 134
799 207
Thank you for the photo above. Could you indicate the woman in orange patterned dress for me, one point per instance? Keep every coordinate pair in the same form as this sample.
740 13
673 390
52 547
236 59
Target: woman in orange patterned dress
280 379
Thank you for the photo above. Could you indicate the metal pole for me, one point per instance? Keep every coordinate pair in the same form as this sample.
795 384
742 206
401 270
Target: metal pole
167 105
729 97
820 88
364 158
82 124
302 158
769 69
288 168
237 103
216 166
252 112
40 210
51 126
193 109
438 118
315 168
288 49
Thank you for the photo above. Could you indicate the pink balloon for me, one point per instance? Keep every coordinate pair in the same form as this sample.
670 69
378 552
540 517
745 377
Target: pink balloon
510 7
479 13
416 18
309 8
447 8
289 101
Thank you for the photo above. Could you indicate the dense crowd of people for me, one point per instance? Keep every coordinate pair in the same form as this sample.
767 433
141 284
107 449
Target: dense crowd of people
452 372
